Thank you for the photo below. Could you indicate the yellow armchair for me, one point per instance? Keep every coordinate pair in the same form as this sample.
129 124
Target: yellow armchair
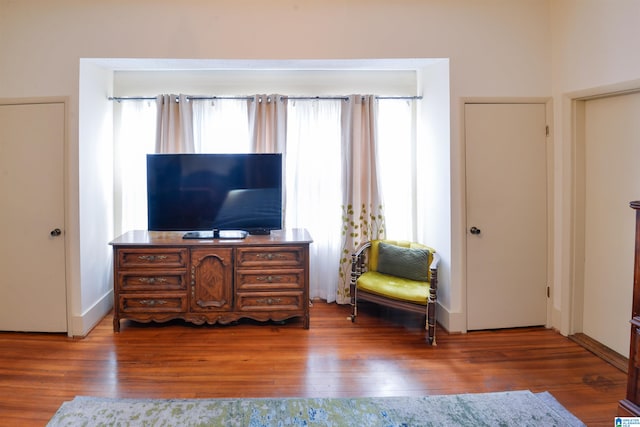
397 274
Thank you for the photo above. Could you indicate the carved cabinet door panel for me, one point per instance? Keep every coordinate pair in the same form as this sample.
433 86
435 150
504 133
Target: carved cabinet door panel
211 279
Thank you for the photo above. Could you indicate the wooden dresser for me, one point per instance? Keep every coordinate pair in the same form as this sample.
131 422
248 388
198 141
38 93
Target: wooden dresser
631 405
160 276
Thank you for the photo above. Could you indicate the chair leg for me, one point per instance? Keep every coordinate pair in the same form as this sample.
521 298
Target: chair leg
354 303
431 323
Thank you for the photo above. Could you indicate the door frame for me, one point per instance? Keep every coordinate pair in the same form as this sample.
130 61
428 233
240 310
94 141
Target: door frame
65 184
463 226
573 296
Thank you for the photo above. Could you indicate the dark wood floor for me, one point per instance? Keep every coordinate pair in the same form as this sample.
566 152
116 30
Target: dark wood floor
382 354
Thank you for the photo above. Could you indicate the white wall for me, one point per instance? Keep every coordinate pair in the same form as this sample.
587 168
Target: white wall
496 48
94 298
434 189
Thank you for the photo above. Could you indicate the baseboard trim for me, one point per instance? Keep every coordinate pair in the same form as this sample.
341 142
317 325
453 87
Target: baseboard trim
450 321
83 324
602 351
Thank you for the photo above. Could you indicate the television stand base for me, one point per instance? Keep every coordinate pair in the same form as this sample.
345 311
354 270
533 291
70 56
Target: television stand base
215 234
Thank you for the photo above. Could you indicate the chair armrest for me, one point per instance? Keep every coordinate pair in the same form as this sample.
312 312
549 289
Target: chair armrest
358 266
360 251
433 268
359 261
435 261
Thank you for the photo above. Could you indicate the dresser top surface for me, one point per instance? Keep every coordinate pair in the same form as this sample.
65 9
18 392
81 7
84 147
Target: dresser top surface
174 238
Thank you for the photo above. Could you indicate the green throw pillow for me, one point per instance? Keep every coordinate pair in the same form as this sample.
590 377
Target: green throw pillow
409 263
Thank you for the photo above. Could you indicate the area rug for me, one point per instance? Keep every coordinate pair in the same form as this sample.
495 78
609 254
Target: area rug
512 408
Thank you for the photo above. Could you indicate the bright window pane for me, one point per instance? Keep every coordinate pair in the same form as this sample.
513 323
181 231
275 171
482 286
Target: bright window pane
221 126
134 140
396 156
313 189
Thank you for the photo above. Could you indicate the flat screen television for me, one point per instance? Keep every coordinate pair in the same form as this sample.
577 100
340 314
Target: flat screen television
193 192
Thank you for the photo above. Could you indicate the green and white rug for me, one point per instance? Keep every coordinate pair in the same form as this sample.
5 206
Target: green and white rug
513 408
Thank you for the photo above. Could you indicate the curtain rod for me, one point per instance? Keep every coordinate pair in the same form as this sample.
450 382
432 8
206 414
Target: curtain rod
248 98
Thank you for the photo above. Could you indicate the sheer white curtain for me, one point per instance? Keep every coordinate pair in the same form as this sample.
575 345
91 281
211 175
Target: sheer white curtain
220 126
314 192
134 139
396 157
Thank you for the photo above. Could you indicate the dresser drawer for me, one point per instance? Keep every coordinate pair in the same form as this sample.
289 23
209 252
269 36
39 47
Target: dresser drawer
152 258
153 303
270 256
156 281
256 280
269 301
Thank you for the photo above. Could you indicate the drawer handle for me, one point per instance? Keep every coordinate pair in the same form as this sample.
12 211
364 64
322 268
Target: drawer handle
269 301
152 302
269 256
269 279
152 280
152 258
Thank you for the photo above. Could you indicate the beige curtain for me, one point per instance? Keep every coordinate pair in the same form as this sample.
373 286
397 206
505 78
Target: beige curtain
174 128
363 215
268 123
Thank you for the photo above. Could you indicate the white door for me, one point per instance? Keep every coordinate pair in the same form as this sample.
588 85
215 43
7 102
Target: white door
506 184
612 180
32 248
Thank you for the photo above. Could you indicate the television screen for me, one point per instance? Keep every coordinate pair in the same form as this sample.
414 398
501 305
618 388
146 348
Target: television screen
214 191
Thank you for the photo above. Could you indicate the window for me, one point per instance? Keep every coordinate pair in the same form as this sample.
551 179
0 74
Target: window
220 126
313 186
312 168
397 154
135 137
